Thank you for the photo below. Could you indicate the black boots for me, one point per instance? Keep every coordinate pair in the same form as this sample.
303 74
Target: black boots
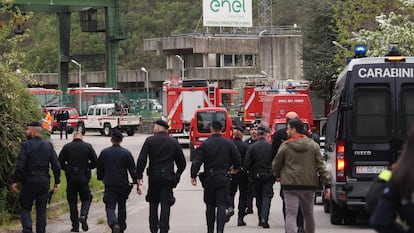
240 222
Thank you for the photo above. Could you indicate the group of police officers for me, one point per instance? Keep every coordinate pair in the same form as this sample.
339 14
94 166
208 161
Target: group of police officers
227 166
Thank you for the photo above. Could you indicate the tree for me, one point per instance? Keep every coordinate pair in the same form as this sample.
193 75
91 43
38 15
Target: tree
17 108
391 28
352 16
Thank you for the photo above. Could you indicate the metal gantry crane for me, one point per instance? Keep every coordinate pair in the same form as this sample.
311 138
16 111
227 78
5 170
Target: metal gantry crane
63 10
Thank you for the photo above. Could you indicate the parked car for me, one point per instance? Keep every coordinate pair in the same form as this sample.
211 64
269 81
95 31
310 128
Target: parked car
72 121
155 105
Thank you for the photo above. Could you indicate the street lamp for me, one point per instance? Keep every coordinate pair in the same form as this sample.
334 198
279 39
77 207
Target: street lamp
182 65
147 85
80 83
259 48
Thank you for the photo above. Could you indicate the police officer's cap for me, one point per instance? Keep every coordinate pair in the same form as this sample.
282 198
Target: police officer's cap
162 123
34 124
263 130
239 128
117 135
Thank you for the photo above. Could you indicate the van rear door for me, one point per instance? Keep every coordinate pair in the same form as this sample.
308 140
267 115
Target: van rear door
380 116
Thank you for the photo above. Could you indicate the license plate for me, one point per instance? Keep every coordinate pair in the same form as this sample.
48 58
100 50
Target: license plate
370 169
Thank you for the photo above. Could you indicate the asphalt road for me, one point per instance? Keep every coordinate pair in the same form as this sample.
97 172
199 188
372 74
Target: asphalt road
188 213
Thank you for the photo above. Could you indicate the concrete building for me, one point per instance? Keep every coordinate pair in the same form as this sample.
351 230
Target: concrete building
270 53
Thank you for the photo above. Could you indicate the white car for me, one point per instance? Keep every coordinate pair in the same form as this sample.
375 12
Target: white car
155 105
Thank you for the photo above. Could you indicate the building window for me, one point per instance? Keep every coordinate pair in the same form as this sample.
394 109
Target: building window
228 60
237 60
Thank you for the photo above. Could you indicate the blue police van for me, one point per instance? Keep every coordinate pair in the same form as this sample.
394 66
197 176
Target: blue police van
372 109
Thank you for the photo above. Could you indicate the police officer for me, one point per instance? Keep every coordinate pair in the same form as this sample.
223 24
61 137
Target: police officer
62 119
258 162
162 151
32 170
239 180
250 189
114 164
77 158
218 155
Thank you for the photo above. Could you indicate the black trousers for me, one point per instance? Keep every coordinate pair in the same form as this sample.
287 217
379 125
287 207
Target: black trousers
116 195
216 189
63 126
264 194
239 182
34 190
78 185
160 191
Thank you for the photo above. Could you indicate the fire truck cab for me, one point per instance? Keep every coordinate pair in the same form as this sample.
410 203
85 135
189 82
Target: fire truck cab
201 122
182 98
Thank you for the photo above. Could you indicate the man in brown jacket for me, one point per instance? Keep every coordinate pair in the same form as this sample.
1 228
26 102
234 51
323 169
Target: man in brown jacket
296 166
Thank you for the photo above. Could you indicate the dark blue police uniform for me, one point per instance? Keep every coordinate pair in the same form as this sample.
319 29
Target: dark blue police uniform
114 163
77 158
32 170
239 181
258 162
217 154
162 151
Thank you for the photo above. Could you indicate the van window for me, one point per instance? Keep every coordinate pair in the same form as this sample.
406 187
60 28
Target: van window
371 115
407 108
204 120
91 111
98 112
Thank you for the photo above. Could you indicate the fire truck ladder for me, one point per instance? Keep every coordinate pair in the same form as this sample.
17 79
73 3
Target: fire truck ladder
211 91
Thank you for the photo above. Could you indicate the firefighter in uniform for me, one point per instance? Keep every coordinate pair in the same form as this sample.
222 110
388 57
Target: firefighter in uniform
114 164
32 170
162 151
77 158
258 162
219 156
239 180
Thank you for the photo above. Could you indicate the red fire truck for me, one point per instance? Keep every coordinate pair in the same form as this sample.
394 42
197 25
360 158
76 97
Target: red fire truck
182 98
254 93
275 107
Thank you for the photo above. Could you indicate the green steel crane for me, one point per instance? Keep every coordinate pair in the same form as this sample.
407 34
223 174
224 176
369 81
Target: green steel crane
63 10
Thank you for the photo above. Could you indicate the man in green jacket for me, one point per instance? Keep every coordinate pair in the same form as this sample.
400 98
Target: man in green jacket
296 166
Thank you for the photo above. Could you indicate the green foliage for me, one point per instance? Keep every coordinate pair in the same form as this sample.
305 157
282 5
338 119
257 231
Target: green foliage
17 108
318 52
391 28
352 16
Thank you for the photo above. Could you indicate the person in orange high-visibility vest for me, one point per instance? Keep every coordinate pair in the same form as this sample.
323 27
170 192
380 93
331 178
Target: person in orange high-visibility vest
47 121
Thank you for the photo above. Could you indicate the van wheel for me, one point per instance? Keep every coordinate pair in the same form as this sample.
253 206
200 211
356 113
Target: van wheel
102 132
70 131
350 218
107 130
130 131
336 213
